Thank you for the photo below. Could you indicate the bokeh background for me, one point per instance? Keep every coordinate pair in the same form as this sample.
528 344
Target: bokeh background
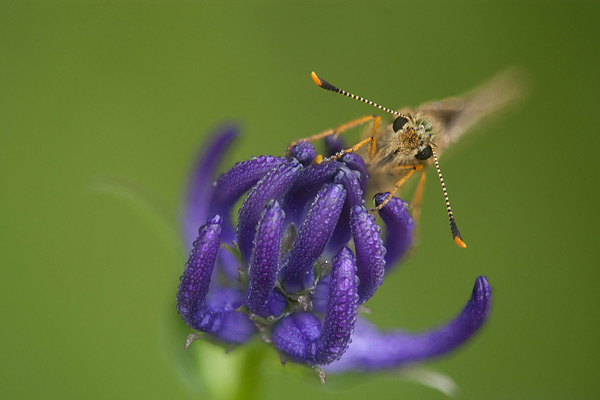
104 104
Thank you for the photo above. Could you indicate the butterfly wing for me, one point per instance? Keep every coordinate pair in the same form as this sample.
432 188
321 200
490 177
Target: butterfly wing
452 117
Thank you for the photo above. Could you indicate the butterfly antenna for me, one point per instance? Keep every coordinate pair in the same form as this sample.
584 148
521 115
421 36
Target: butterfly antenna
453 228
328 86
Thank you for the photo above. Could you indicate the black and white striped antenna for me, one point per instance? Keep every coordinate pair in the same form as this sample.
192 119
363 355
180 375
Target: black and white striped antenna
453 228
328 86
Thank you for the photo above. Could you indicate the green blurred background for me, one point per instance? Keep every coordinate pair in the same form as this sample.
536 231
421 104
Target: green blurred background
101 92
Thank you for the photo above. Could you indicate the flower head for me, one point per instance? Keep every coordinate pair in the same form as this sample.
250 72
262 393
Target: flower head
302 258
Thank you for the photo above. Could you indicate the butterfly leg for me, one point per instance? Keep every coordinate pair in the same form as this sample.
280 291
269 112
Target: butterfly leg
370 140
418 198
411 170
341 129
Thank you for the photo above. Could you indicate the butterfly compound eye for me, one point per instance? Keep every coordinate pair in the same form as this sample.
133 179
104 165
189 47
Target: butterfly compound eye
399 123
424 154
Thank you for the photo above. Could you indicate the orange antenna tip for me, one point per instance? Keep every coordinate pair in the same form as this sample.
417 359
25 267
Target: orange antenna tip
328 86
460 242
316 79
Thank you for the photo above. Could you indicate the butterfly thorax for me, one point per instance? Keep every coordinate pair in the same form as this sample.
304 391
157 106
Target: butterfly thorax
400 147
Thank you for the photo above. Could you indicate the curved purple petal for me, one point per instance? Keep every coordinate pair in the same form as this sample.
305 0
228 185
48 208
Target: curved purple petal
334 145
356 163
305 187
341 234
400 228
199 187
276 303
229 264
195 281
297 272
220 319
342 309
373 350
321 294
234 183
370 253
227 190
296 336
240 178
272 186
304 152
302 337
216 315
264 262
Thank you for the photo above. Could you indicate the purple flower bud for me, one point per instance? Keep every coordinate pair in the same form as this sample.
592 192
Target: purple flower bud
304 152
227 190
356 163
303 338
272 186
265 260
369 253
216 316
238 180
341 235
400 227
297 272
305 188
342 309
290 273
191 295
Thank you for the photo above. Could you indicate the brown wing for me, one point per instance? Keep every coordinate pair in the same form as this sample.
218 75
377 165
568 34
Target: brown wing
453 116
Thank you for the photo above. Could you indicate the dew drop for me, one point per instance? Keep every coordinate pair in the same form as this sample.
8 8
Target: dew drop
345 284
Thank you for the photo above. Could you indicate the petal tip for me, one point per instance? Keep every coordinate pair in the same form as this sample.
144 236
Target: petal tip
345 253
481 296
304 152
215 219
379 197
482 287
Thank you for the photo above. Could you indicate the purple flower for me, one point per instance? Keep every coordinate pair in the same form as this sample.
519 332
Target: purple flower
304 255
